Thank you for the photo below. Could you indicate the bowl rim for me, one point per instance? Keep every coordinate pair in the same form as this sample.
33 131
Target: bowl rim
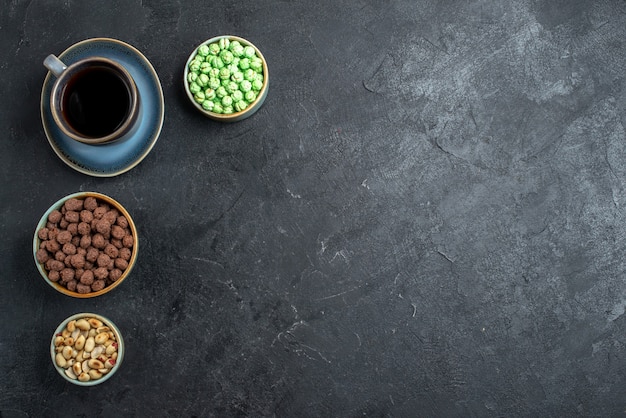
131 263
120 348
253 107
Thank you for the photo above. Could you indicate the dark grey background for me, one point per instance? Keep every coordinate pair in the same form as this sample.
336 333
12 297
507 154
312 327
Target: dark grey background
425 218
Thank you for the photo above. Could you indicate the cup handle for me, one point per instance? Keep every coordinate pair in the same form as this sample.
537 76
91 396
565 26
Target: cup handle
54 64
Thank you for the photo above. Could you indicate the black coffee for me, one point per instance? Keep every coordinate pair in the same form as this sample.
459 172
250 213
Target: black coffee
96 101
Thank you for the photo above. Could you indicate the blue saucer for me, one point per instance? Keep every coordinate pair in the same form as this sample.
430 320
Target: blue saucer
112 159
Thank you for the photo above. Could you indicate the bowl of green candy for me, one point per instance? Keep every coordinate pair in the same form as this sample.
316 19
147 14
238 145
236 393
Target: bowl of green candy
226 78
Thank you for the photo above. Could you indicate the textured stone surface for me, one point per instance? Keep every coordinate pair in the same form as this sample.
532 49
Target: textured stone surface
425 218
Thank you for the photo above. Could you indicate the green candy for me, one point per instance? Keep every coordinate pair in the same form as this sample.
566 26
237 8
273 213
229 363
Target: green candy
199 96
249 74
233 44
240 105
232 87
236 49
203 50
194 87
216 62
209 94
257 85
218 108
244 64
208 105
194 66
221 92
214 49
227 101
245 86
250 96
227 56
214 83
256 64
225 82
249 52
214 73
224 73
237 77
191 77
228 110
202 80
237 95
205 67
224 43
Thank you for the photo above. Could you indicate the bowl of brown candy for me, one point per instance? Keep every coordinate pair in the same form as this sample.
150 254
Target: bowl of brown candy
85 245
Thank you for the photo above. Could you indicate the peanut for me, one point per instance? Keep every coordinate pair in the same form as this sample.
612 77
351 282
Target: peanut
111 348
79 344
95 323
67 352
75 334
90 344
61 362
94 374
77 368
95 363
103 329
70 374
97 351
83 324
101 338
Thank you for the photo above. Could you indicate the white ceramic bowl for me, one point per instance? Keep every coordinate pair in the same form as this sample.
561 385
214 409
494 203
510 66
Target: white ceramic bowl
120 349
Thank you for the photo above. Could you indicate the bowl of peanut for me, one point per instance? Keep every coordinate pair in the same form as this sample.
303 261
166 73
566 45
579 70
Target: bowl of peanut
85 244
87 349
